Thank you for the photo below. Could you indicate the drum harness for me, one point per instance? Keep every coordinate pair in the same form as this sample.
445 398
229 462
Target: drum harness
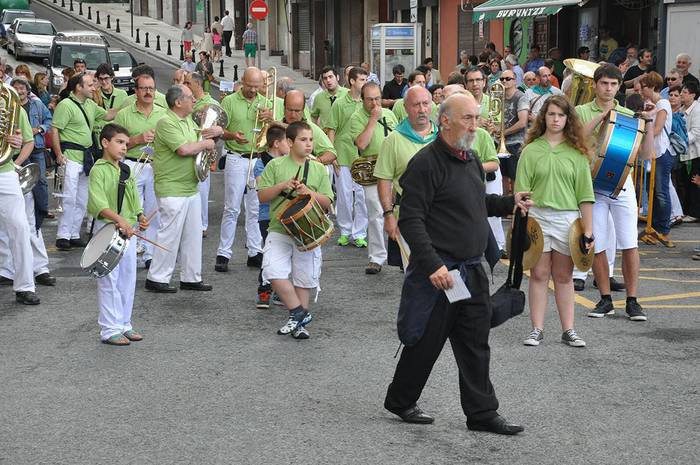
288 195
124 173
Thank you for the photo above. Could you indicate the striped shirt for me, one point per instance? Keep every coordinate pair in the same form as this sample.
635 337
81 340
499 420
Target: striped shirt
250 37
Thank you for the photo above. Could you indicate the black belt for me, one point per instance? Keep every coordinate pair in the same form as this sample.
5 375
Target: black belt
136 160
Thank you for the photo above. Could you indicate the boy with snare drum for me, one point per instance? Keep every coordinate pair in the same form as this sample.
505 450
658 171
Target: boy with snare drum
108 203
283 179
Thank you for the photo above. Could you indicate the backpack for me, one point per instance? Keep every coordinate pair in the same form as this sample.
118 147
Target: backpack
679 134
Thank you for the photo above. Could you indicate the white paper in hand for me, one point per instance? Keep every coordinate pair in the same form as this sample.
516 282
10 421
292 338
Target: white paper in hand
459 290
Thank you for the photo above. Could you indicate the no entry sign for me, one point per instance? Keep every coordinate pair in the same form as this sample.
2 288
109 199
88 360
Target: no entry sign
259 10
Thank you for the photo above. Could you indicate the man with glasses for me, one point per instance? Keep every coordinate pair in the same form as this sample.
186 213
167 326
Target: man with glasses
673 78
79 65
140 120
294 110
177 142
683 65
537 95
393 90
158 97
475 80
111 96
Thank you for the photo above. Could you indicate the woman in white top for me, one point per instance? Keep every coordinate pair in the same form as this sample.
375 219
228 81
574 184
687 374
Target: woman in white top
207 43
651 84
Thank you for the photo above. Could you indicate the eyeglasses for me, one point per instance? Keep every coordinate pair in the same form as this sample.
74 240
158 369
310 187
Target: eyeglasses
671 79
507 79
104 78
473 81
147 89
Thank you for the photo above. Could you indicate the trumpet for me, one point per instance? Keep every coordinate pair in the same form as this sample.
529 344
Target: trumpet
497 93
59 176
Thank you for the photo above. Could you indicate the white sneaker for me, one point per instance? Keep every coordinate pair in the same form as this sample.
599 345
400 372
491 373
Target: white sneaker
535 337
300 333
140 248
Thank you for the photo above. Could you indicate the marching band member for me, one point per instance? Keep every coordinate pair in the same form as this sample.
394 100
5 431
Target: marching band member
176 143
411 135
294 105
555 168
369 127
284 85
195 82
140 119
475 81
115 292
73 145
323 102
158 97
241 108
351 212
13 217
111 96
282 258
416 78
607 80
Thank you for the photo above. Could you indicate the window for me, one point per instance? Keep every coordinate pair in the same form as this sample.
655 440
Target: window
42 29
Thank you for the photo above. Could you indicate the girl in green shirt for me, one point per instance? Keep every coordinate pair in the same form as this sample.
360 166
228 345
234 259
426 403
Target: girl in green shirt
555 166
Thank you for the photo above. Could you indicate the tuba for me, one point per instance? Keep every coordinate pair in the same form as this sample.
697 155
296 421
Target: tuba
582 88
497 94
207 117
9 117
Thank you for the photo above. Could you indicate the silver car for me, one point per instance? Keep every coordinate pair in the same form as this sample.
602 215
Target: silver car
30 37
123 62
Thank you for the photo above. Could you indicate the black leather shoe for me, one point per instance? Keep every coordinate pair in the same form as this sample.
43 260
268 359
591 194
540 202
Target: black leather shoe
159 287
614 285
78 243
27 298
45 279
63 244
6 281
579 284
413 415
497 424
255 261
221 264
147 264
200 286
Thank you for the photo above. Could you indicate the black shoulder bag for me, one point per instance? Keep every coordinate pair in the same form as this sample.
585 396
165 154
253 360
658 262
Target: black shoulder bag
509 300
89 155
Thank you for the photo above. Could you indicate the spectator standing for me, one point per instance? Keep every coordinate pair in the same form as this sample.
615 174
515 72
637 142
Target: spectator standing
537 95
559 67
512 64
228 26
371 77
673 79
187 37
41 87
250 45
207 43
646 60
683 64
188 65
607 44
216 26
206 70
583 53
534 62
549 63
463 64
435 77
495 71
393 90
691 159
216 41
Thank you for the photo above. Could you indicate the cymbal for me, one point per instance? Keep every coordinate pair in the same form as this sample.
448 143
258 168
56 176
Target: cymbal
582 261
534 243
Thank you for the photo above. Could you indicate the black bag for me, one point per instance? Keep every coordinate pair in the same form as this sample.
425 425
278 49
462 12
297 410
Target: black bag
509 300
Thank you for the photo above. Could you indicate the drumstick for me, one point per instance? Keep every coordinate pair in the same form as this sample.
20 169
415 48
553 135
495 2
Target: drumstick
150 241
150 217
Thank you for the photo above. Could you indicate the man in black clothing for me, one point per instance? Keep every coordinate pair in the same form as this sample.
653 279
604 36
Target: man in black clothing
683 65
444 211
646 60
393 90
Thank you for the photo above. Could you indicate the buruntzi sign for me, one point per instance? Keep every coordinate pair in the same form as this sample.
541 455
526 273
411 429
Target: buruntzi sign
520 12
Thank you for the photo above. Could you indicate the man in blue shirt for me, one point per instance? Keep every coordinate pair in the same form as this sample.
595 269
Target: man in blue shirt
534 62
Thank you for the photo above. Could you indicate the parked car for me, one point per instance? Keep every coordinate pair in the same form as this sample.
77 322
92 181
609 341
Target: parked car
8 15
123 62
67 47
30 37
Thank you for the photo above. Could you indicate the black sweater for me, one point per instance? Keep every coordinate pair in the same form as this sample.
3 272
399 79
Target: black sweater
444 207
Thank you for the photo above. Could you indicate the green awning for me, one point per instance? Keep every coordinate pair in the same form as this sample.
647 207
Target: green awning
505 9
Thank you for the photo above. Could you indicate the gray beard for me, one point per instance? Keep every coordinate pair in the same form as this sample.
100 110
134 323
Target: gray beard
465 142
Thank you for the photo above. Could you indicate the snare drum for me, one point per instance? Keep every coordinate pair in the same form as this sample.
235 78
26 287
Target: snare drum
304 220
103 252
619 141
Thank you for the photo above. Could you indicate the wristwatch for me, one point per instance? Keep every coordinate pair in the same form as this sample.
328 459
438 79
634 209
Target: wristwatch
388 212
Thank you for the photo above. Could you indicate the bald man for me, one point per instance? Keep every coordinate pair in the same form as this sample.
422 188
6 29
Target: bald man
294 110
240 153
444 199
538 94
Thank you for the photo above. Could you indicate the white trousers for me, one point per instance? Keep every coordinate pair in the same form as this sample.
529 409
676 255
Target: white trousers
13 222
36 239
676 207
180 230
609 252
351 211
204 188
496 187
375 228
234 193
146 190
115 293
75 192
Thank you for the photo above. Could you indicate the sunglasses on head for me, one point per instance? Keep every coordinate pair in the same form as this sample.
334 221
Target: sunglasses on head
504 79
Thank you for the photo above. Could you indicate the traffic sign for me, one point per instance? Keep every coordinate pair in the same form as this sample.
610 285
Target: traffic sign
259 9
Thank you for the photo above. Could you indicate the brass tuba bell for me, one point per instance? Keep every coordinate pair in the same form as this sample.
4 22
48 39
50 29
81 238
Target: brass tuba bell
9 118
582 87
207 117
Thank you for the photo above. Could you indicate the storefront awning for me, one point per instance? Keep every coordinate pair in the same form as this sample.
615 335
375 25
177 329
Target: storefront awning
504 9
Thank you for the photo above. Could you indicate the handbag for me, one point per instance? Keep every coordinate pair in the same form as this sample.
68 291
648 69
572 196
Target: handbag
509 300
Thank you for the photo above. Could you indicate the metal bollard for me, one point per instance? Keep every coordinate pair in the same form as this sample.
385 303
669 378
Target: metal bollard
138 37
109 23
63 3
118 30
80 9
147 44
89 12
71 6
193 52
221 69
158 43
182 52
170 51
235 73
98 17
55 1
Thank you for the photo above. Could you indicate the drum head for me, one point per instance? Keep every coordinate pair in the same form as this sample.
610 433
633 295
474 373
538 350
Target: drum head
295 206
97 245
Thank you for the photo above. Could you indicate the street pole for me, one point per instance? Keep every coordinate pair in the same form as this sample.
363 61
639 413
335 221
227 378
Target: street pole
131 14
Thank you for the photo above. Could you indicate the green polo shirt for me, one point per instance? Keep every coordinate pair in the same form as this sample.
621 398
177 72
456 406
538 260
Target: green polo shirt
174 175
136 122
285 168
559 177
205 100
394 155
279 110
27 136
70 122
339 121
158 99
484 147
400 112
322 143
359 122
590 110
484 106
241 117
322 105
102 192
116 100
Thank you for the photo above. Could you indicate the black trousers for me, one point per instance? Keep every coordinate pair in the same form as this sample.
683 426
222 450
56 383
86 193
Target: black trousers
466 324
227 41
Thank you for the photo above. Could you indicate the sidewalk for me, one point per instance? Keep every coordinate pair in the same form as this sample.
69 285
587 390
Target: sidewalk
166 32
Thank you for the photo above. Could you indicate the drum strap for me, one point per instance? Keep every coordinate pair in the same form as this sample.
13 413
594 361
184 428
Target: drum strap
124 173
386 127
305 176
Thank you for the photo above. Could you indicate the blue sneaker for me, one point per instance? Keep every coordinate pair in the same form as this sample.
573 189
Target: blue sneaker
300 318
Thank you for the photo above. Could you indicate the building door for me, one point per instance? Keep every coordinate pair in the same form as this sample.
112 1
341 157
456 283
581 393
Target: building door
470 37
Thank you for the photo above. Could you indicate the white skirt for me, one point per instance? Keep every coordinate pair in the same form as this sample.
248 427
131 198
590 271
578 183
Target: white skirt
555 226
